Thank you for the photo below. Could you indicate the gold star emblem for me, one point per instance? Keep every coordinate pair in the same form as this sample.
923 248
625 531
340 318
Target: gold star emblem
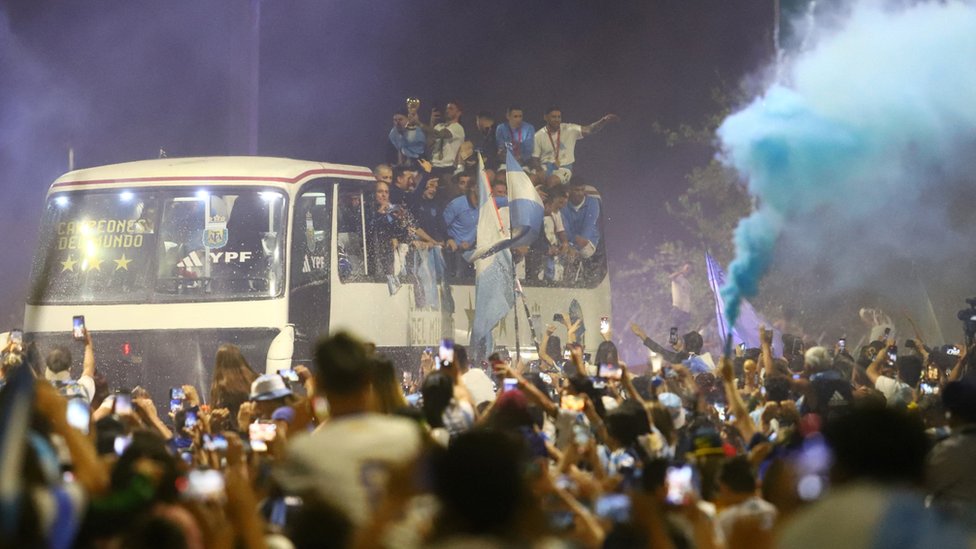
94 264
122 263
68 264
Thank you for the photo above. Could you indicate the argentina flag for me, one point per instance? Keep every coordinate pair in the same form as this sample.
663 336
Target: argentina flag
16 401
494 272
525 213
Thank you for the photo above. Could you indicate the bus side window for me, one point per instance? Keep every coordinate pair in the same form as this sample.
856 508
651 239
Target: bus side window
308 307
349 240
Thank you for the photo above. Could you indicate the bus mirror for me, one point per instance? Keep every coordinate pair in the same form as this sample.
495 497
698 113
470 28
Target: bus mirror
281 350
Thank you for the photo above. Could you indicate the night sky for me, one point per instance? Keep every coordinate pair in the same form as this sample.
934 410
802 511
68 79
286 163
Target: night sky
118 80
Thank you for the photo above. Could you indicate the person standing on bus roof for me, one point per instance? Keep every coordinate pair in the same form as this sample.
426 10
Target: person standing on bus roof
461 219
555 144
448 137
407 138
517 134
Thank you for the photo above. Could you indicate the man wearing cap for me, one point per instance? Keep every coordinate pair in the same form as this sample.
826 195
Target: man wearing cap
348 459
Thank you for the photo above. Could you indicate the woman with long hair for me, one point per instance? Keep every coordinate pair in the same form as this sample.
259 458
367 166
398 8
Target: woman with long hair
232 380
387 393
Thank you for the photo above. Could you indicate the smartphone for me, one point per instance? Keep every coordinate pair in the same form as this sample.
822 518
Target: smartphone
289 375
599 383
191 419
175 405
720 410
673 336
122 404
558 317
214 443
509 384
78 327
446 353
407 378
953 351
842 344
797 346
742 348
204 484
572 403
79 414
121 443
177 393
680 485
928 389
16 335
614 507
892 354
261 433
887 333
604 324
610 371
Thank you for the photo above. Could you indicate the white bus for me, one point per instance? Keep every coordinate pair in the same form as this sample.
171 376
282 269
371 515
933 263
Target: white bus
167 259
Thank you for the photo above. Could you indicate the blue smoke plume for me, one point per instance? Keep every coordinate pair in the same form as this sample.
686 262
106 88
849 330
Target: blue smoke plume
867 114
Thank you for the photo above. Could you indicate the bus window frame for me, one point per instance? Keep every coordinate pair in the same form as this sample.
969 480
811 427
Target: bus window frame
150 294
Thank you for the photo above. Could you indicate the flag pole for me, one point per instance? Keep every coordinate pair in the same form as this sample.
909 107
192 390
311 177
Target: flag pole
515 293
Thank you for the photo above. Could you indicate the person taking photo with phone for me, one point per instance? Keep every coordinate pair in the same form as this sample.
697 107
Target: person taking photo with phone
58 367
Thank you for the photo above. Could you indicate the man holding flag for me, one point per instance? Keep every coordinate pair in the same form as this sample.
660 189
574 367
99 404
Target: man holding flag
499 231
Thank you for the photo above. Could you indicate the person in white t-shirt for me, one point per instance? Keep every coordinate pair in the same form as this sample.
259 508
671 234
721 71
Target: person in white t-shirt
899 390
447 139
58 368
555 143
739 500
347 460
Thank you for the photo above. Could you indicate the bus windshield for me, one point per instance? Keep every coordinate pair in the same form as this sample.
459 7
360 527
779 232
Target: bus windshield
160 245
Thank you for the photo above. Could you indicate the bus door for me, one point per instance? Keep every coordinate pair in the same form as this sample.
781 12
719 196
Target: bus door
308 306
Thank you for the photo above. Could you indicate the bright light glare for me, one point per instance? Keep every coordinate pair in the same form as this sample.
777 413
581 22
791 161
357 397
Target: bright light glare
810 487
202 194
268 196
61 201
125 196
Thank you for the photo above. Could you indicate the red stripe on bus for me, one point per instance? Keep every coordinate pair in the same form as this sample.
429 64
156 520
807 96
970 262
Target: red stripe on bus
364 174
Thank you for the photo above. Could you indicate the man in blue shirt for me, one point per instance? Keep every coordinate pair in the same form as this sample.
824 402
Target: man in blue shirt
408 139
518 135
580 219
461 219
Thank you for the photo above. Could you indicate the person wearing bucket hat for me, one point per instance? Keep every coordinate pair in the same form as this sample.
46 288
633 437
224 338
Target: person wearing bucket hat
268 393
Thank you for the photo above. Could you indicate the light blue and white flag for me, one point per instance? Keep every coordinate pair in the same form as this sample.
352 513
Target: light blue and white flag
16 401
746 329
494 291
525 213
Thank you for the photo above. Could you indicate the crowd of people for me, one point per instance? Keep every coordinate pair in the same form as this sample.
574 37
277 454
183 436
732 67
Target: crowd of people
811 447
426 196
